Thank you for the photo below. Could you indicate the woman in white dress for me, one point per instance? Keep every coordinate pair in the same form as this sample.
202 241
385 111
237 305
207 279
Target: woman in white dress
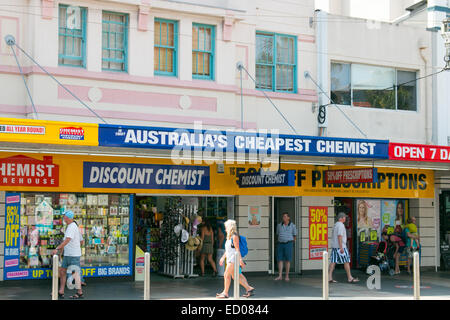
231 245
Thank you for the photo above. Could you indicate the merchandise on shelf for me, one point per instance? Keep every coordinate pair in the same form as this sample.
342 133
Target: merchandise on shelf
103 221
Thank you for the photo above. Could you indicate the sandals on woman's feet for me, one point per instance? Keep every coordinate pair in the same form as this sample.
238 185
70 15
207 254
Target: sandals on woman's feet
221 296
77 296
354 280
332 281
248 294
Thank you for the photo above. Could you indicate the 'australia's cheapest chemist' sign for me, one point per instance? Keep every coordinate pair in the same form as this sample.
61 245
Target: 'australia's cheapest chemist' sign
145 176
220 141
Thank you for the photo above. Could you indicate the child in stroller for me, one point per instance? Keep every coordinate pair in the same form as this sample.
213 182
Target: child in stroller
384 255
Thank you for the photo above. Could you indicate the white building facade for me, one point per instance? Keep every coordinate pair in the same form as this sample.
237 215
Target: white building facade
174 64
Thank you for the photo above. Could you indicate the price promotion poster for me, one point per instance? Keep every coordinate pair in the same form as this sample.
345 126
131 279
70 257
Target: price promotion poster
388 210
12 237
318 232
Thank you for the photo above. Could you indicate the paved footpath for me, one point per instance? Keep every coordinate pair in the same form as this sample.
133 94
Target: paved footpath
307 286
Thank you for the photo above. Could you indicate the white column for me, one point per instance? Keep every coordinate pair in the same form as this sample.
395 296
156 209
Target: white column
94 39
185 49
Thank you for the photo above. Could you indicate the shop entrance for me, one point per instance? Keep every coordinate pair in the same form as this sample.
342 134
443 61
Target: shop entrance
281 205
347 205
367 219
167 227
444 229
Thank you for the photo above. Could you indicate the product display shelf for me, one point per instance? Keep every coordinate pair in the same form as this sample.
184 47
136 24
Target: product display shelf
153 246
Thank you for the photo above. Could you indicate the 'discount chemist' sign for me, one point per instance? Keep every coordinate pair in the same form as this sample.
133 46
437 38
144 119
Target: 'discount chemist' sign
249 142
144 176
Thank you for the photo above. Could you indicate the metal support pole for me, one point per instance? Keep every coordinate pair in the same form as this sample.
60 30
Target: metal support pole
325 276
59 83
416 276
242 102
147 276
11 42
55 277
237 259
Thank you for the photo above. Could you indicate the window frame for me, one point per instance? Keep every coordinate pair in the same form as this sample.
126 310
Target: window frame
273 66
125 42
211 53
83 39
174 48
396 69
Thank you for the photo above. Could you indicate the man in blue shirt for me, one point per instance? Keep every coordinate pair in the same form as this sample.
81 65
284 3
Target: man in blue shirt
287 233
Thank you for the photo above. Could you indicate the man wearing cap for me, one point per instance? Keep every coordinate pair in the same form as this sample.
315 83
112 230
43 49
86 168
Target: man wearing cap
339 252
72 252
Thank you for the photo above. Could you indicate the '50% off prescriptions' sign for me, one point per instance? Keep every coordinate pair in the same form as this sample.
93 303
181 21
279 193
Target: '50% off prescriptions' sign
318 232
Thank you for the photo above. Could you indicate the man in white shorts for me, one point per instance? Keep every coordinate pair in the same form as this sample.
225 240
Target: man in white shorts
339 252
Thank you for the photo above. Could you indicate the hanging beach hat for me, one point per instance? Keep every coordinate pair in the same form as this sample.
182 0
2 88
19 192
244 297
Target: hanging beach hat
197 241
186 219
178 229
198 219
191 244
184 236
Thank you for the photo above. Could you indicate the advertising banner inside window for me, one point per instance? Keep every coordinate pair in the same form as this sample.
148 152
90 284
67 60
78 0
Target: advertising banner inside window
34 227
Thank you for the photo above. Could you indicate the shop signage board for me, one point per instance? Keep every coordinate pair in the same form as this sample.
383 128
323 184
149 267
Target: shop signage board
48 132
227 141
267 179
26 171
13 238
144 176
351 175
419 152
318 232
80 173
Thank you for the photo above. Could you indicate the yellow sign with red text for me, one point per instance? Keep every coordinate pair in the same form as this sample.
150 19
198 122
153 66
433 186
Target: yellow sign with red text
48 132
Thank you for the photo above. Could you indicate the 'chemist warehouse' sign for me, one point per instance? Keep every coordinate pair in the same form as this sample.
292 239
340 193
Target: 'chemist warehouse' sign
250 142
144 176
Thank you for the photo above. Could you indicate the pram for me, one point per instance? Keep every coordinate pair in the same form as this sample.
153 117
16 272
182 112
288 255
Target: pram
383 258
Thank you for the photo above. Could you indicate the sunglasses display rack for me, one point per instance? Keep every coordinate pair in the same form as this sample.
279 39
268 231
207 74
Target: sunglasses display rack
188 256
170 242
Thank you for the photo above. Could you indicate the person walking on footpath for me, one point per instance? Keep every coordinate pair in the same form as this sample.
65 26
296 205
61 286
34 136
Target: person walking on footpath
287 234
72 253
231 247
207 250
339 252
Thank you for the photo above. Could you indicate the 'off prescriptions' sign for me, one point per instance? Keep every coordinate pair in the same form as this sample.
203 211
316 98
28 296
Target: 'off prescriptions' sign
351 176
318 232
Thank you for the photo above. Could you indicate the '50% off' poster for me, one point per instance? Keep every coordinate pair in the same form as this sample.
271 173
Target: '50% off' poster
318 232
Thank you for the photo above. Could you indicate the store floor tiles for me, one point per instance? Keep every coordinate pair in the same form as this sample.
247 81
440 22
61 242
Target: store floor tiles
306 286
